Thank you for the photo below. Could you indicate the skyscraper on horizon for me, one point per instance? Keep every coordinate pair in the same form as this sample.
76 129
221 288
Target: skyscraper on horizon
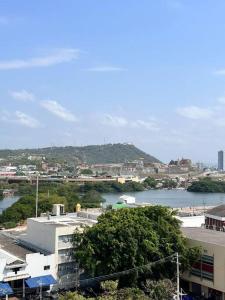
221 163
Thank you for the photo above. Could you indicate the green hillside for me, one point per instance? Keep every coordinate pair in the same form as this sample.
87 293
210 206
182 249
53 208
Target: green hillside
94 154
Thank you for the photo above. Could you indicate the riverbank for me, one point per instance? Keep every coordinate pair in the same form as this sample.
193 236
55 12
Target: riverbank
193 211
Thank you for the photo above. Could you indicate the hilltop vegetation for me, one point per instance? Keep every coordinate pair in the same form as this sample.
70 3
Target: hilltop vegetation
94 154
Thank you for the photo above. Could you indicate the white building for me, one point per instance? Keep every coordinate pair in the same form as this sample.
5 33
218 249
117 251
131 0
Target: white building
19 265
54 234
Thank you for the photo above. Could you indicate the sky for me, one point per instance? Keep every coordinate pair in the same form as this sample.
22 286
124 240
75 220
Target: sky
80 72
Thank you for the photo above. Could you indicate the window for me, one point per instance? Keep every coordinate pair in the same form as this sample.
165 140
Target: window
204 268
46 267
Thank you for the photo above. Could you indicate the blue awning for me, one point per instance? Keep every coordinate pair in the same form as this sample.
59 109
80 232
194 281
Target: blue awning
5 289
40 281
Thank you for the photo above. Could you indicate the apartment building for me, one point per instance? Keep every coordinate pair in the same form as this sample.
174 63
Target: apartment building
54 233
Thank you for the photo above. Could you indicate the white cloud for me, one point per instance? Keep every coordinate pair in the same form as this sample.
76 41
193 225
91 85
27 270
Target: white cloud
195 112
221 100
149 125
20 118
118 121
57 57
57 109
26 120
219 72
22 95
105 68
114 121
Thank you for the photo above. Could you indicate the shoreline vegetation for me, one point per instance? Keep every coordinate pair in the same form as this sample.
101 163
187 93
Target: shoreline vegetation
69 194
207 185
88 195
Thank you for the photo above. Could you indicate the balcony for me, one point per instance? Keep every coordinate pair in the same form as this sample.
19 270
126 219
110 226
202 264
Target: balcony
64 244
65 259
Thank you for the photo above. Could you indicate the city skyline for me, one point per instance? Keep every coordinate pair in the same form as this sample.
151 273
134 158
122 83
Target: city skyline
91 72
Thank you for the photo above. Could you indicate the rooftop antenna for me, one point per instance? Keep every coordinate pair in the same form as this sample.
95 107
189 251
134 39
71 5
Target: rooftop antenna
36 214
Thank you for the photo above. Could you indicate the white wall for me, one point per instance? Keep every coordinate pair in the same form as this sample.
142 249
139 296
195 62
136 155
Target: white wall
41 235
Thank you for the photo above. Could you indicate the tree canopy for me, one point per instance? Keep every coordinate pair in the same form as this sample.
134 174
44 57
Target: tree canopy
130 238
207 185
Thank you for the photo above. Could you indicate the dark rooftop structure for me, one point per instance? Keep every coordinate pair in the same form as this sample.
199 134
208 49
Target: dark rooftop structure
218 211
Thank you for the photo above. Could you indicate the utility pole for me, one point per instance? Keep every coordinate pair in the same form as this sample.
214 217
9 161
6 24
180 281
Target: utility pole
178 277
37 196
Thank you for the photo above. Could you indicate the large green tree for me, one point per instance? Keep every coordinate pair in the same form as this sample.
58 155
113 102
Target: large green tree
130 238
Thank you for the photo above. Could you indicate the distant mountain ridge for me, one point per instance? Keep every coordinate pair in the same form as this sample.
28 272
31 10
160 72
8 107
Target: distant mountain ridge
93 154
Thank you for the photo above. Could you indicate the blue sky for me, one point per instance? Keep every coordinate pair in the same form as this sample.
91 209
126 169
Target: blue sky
80 72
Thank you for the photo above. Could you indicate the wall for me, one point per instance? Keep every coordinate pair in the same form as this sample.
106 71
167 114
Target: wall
41 235
219 265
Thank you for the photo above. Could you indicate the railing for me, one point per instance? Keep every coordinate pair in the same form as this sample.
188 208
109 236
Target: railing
65 258
64 245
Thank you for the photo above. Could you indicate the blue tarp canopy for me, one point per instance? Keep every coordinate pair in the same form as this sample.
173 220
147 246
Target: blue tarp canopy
5 289
40 281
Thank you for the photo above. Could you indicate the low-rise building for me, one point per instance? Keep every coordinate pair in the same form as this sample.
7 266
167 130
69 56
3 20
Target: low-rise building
207 276
54 233
19 264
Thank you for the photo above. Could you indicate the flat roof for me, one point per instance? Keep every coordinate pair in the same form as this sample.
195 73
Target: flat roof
204 235
71 219
192 221
12 250
218 211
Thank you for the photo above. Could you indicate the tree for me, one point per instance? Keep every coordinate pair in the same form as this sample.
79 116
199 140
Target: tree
130 238
150 182
86 172
162 289
72 296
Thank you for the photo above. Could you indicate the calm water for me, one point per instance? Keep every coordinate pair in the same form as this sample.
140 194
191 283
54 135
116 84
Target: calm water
6 202
172 198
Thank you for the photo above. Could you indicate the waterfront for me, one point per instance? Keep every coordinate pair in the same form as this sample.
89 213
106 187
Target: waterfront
172 198
7 202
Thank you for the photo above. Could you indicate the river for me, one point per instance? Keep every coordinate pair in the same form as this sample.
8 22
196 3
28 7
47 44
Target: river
172 198
7 202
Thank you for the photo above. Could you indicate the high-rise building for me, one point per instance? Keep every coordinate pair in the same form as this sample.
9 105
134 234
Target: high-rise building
221 160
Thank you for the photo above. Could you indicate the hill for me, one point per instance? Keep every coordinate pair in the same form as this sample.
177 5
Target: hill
94 154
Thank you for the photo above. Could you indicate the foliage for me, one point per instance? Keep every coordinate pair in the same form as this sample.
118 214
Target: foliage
207 185
86 172
162 289
152 290
169 184
109 286
150 182
25 208
94 154
112 187
72 296
130 238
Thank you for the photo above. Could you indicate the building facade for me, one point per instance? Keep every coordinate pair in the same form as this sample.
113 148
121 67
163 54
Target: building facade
19 265
221 157
55 235
207 276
